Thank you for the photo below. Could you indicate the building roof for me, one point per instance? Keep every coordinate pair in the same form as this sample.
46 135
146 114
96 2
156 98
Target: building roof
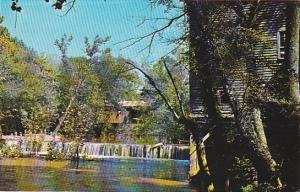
129 104
134 103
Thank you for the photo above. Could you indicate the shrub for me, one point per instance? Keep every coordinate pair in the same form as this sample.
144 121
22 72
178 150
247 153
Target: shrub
54 154
248 188
9 151
243 174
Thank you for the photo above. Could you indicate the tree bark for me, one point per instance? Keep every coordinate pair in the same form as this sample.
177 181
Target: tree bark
199 174
204 71
267 167
292 49
259 127
249 123
291 70
250 127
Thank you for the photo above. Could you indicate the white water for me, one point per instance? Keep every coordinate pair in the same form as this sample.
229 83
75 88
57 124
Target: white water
101 150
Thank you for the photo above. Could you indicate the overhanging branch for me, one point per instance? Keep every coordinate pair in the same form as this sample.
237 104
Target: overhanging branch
151 35
153 84
175 88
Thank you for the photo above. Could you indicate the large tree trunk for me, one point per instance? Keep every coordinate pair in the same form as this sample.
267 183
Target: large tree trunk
199 173
292 50
200 64
250 127
259 127
266 169
249 122
291 64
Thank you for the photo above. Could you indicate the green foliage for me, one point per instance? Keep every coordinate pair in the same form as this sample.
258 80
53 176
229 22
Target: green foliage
87 84
243 174
27 87
82 86
36 95
53 154
119 81
38 119
179 74
9 151
33 142
158 126
158 121
2 143
248 188
263 187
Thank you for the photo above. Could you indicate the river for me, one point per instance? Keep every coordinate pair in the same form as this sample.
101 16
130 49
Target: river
109 174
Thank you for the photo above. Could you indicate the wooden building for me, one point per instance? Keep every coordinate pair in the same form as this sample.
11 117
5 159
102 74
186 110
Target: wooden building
270 20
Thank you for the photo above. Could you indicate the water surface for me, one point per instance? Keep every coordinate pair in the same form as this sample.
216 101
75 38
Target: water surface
101 175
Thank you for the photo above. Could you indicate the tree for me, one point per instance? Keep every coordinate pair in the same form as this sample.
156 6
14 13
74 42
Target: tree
158 119
85 100
202 73
26 88
181 116
235 61
292 50
221 53
290 73
211 60
87 84
248 115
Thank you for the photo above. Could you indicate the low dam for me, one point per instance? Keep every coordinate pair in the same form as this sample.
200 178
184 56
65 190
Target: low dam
28 145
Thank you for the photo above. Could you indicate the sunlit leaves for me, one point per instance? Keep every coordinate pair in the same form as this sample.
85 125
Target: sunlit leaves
26 86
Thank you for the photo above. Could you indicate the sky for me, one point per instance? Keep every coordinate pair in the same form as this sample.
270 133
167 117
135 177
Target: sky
39 25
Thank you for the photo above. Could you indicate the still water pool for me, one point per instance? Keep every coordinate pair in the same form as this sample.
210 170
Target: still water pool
101 175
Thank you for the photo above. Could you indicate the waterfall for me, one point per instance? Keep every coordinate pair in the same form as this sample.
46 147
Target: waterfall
104 150
100 150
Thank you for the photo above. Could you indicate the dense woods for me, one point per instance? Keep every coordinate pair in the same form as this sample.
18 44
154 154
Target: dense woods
228 83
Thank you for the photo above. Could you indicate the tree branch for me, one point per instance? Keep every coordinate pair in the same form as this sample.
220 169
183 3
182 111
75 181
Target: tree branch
71 7
74 95
175 88
152 82
151 35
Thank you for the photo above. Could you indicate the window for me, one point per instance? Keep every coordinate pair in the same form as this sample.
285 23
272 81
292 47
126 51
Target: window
281 39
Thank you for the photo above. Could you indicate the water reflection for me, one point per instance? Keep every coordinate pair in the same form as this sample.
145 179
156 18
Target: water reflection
102 175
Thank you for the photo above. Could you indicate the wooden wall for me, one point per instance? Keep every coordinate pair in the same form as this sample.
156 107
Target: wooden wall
269 21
